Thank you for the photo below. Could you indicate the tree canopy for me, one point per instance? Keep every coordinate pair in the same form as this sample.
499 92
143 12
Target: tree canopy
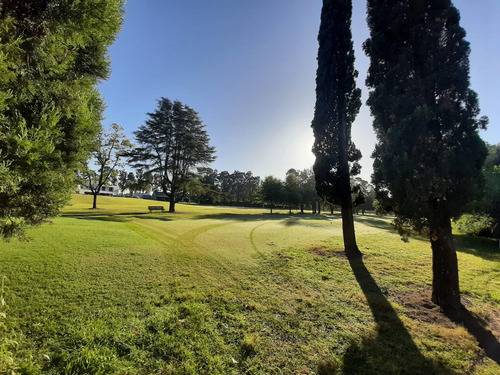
52 55
429 155
172 143
272 191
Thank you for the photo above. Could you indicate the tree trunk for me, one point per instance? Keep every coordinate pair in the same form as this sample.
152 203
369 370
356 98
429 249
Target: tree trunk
331 209
271 207
302 208
350 246
445 285
94 204
171 207
319 207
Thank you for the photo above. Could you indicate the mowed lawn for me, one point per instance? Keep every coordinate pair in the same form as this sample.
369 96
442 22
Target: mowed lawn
219 290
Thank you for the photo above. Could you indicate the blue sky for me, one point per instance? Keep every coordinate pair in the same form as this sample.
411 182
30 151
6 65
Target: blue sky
248 68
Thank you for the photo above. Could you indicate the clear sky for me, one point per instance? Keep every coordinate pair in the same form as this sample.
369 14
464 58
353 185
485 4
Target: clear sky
248 68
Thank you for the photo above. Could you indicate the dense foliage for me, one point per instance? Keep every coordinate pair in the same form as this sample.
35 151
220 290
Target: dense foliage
337 104
272 191
475 224
52 55
489 205
172 143
429 155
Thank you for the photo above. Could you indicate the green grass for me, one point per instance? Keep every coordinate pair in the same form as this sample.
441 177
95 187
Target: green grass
219 290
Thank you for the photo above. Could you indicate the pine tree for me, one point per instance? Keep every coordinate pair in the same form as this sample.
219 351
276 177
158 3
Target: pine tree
52 56
337 104
172 144
429 155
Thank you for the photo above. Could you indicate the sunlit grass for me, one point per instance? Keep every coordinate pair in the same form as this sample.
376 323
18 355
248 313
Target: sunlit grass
220 290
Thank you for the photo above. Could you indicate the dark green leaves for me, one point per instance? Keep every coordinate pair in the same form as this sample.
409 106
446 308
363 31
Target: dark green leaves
52 53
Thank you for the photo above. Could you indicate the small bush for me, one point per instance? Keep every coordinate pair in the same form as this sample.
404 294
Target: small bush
476 225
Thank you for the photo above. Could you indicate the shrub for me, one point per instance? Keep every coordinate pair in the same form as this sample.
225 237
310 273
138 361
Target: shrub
476 225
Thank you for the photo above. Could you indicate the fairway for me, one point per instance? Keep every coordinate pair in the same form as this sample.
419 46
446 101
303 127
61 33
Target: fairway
222 290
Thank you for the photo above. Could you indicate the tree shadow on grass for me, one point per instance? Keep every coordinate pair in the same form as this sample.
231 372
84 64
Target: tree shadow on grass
486 248
393 350
294 218
118 218
374 222
477 328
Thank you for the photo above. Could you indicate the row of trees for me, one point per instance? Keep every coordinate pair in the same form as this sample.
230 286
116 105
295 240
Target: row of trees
429 156
237 188
208 186
172 156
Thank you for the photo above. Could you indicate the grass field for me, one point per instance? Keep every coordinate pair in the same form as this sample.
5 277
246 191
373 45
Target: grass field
218 290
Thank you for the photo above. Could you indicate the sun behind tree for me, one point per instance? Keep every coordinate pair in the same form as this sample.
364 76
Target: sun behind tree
337 104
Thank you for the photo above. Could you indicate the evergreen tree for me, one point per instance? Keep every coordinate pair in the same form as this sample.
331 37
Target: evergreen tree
122 180
337 104
429 155
52 55
292 189
172 143
144 181
308 193
272 191
131 183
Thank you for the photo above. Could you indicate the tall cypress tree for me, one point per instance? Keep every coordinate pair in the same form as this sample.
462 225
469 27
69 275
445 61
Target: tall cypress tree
337 104
429 155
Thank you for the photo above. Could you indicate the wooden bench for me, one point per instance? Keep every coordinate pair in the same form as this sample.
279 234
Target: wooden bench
156 208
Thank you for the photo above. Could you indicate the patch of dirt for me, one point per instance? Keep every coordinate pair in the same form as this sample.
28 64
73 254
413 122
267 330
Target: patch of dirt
418 306
324 252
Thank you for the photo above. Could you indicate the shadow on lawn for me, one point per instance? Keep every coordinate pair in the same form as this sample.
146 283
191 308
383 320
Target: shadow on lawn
476 327
293 218
118 218
486 248
392 351
374 222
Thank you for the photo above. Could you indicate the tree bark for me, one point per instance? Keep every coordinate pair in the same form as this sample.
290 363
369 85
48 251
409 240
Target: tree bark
94 204
171 207
350 246
319 207
349 236
445 284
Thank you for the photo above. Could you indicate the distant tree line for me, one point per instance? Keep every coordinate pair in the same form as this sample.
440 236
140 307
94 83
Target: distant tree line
208 186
